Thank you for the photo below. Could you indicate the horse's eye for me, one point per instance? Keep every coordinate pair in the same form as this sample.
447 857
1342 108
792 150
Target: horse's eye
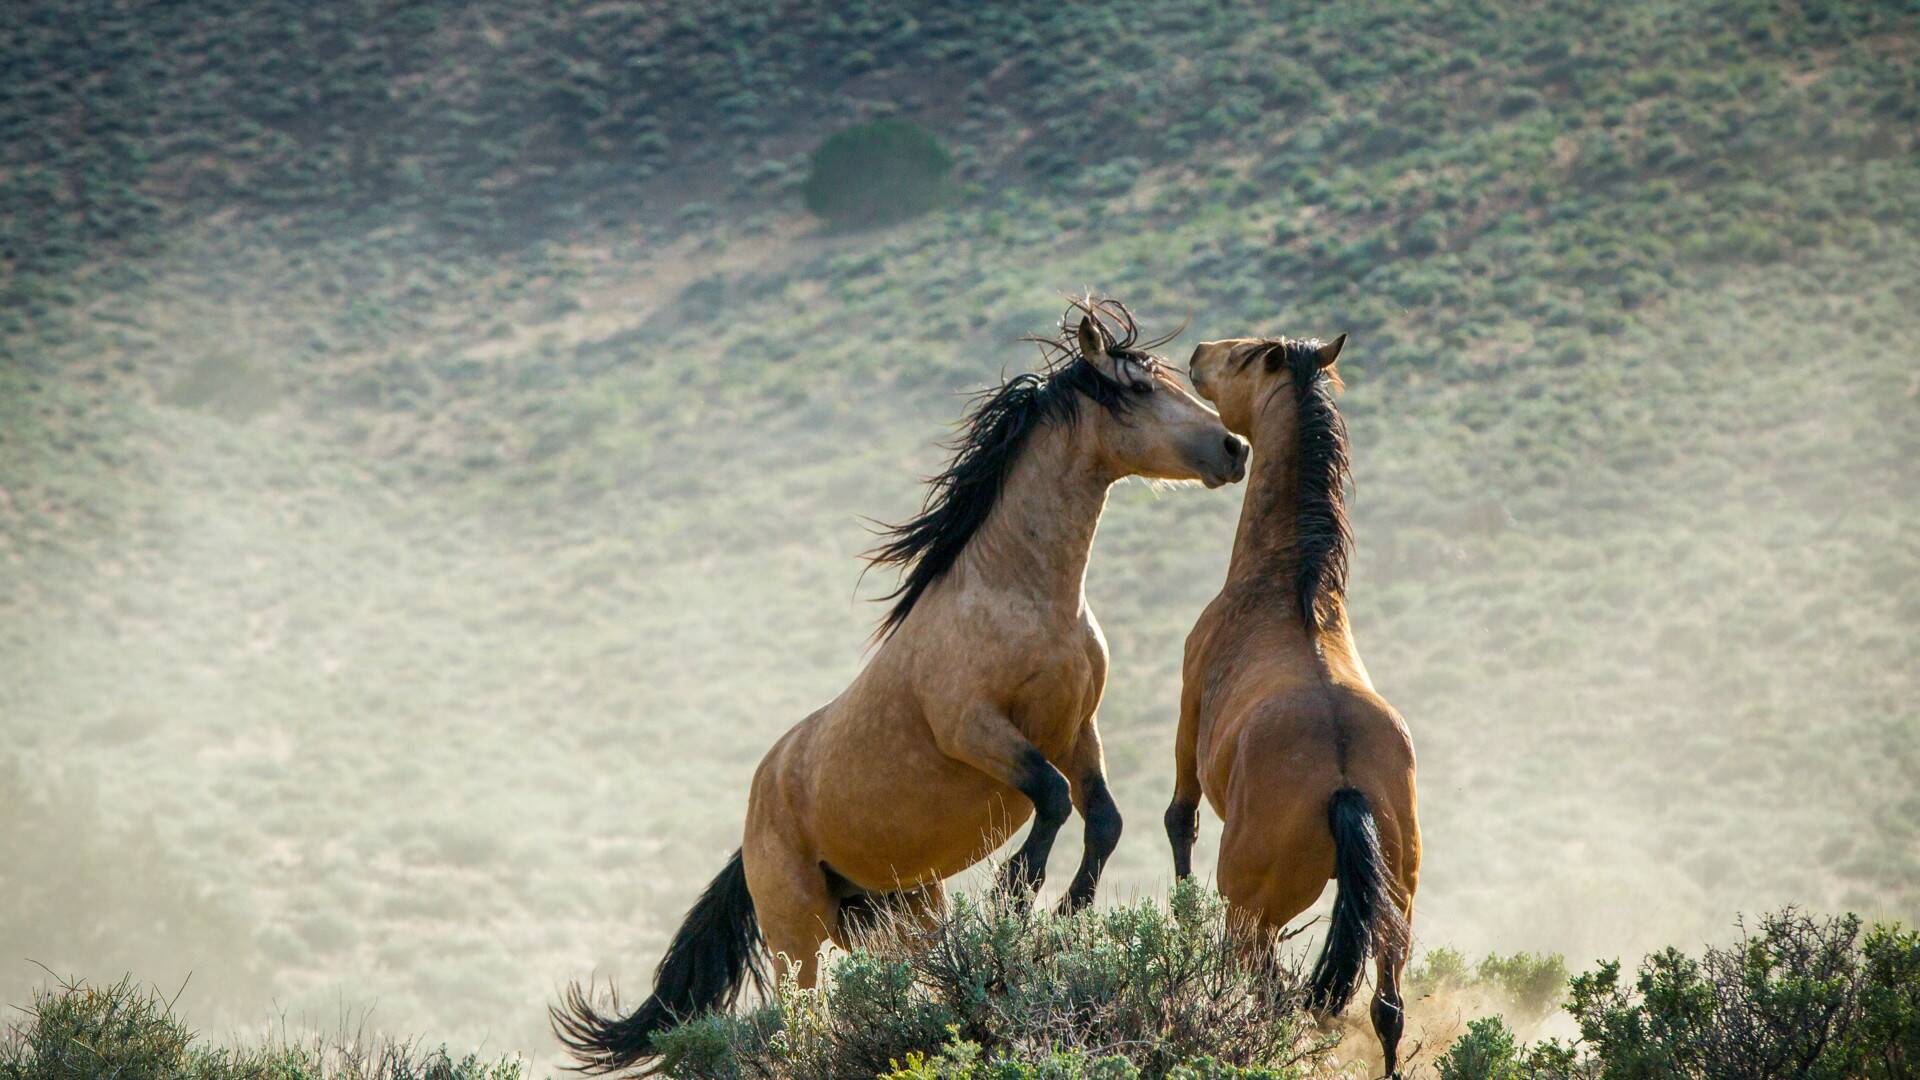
1144 386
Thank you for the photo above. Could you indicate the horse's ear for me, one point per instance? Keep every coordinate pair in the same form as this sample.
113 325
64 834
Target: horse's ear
1093 347
1330 351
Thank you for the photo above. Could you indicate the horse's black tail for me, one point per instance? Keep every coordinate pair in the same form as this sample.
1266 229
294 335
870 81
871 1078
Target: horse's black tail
716 952
1366 911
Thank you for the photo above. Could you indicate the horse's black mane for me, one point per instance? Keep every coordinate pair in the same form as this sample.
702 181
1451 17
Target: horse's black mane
1322 537
991 437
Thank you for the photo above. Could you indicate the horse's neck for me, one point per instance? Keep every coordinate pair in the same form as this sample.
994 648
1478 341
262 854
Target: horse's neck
1266 552
1038 537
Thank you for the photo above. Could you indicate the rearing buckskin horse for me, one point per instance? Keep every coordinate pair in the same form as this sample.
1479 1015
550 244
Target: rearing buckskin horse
1280 727
977 708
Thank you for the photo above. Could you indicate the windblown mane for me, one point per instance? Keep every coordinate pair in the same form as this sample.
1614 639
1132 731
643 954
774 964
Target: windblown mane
991 437
1322 537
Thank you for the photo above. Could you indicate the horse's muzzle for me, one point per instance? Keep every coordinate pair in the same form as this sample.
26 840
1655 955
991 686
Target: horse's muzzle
1230 466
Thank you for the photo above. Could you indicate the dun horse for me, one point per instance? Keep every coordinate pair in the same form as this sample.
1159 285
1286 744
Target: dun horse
977 708
1280 727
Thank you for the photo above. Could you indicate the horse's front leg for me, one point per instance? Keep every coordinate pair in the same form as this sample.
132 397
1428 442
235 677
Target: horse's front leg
987 740
1183 813
1087 772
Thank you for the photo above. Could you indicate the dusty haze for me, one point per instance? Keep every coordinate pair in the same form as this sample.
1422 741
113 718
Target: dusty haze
393 624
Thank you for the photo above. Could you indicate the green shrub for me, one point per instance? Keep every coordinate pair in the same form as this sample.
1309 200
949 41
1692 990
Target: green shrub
1145 990
1440 967
1488 1051
962 1060
1798 997
878 172
79 1032
122 1031
1531 983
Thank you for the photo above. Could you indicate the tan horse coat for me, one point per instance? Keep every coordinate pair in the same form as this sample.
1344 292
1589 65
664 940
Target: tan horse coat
1277 711
975 713
981 705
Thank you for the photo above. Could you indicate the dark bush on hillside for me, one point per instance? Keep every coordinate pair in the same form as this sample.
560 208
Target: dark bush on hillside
878 172
1798 997
1145 990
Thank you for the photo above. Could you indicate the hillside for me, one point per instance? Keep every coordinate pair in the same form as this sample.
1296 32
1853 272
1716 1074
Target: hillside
434 444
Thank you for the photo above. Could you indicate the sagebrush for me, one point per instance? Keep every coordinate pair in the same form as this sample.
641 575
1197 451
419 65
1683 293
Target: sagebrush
1795 996
125 1031
1146 989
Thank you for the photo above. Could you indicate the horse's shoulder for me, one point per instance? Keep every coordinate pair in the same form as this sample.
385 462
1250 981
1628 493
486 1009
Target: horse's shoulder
1044 633
1056 650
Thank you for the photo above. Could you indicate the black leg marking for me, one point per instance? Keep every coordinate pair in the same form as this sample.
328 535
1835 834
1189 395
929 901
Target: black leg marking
1183 828
1389 1017
1103 835
1052 800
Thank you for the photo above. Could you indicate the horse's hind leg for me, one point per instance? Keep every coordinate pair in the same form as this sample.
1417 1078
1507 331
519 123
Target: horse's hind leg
1273 866
1389 1008
795 906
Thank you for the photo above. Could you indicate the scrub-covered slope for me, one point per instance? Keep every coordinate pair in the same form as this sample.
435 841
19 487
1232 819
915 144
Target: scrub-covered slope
433 442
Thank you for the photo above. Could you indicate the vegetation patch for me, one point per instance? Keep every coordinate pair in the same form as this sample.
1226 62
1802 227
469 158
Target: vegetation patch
564 413
1796 996
1528 985
124 1031
1149 989
873 173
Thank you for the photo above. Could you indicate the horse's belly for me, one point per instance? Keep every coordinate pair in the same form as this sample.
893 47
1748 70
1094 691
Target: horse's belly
912 820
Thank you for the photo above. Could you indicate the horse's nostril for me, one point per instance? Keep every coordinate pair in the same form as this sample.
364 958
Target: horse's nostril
1235 448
